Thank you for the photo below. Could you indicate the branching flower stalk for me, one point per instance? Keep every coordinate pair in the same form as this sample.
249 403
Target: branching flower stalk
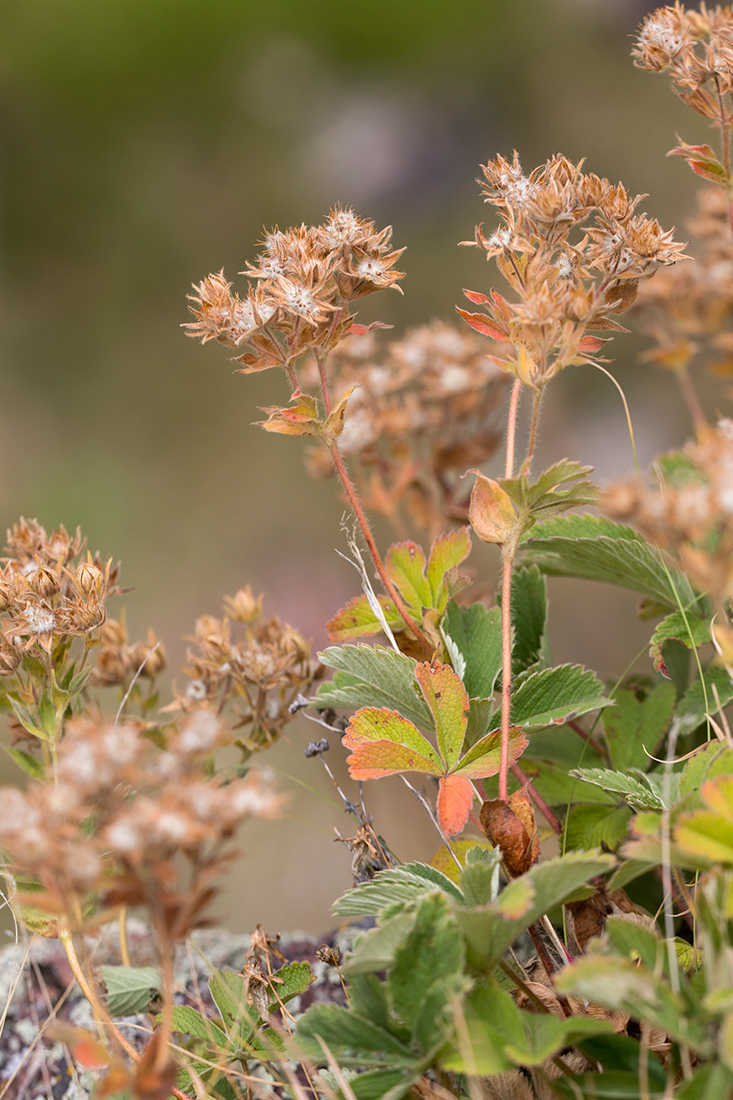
565 287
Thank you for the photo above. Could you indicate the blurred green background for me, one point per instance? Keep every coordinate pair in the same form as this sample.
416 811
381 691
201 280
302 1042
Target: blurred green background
144 143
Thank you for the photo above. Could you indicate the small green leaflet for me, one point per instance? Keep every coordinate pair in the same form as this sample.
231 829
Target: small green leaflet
639 792
685 627
476 633
383 742
130 989
554 695
372 676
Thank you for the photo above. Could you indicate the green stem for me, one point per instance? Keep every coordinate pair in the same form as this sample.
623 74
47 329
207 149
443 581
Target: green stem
527 464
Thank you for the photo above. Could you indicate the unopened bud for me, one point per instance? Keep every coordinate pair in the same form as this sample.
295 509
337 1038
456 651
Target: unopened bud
243 607
491 512
90 578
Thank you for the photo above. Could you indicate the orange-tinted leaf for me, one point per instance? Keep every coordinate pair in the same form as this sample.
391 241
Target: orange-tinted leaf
86 1049
298 418
481 323
357 619
455 795
448 701
448 551
362 330
405 564
384 741
376 759
482 759
476 297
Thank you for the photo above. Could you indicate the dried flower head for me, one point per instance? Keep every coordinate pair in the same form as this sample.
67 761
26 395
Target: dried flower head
566 284
300 288
258 665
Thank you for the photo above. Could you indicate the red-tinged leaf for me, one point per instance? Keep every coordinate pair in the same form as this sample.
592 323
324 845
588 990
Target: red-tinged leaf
455 795
362 330
300 418
482 759
388 728
590 344
85 1047
702 160
357 619
447 698
377 759
449 550
476 297
481 323
405 564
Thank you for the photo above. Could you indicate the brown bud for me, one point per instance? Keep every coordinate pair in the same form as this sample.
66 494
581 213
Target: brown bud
149 658
243 607
113 633
511 826
9 658
44 583
90 578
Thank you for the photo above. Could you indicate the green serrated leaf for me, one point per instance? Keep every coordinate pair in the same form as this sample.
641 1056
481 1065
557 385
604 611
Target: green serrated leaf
634 942
634 727
553 695
595 548
130 989
375 951
382 1084
352 1039
594 826
686 628
405 564
480 877
229 996
637 792
529 616
187 1021
428 971
396 884
477 634
490 930
290 981
447 552
710 760
377 677
446 696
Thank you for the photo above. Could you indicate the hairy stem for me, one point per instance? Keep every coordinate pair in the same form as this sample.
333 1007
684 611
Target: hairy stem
372 547
506 666
527 464
512 426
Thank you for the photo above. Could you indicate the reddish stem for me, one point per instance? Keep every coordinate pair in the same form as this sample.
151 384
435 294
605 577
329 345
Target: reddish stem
587 737
511 430
372 547
506 667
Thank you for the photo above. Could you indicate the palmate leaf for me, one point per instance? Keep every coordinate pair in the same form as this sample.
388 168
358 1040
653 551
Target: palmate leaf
598 549
424 584
385 743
